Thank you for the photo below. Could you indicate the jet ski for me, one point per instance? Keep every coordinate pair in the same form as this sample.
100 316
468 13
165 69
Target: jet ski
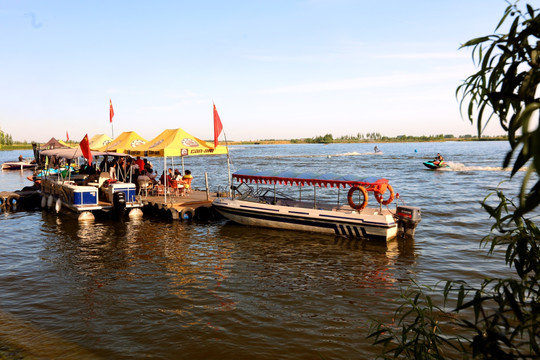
432 164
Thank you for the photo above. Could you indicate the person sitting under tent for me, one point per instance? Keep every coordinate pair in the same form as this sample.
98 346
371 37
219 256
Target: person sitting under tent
112 169
87 169
168 179
178 175
148 165
103 164
180 188
152 175
187 178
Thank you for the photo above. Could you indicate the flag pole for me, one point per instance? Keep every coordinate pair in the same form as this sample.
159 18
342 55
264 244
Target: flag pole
218 128
111 115
228 166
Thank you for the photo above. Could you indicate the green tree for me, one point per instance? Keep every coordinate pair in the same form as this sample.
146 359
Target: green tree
500 319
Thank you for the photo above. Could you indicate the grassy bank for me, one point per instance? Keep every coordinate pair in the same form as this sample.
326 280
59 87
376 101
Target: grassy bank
16 147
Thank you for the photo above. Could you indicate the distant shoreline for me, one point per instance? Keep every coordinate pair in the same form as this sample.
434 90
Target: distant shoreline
303 141
369 141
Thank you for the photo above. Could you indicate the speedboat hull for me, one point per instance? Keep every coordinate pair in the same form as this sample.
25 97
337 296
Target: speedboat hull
433 166
368 223
17 165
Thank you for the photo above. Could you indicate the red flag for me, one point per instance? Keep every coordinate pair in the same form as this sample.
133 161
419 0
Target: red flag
111 111
67 136
85 148
217 127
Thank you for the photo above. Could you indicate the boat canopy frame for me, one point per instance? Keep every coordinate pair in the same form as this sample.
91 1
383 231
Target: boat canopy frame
71 154
292 178
302 179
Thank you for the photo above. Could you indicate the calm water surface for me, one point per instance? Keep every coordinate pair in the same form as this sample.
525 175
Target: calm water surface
169 289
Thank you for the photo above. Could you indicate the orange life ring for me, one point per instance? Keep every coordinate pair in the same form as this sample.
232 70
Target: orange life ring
350 200
378 196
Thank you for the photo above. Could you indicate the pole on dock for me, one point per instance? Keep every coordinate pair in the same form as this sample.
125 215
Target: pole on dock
165 177
206 182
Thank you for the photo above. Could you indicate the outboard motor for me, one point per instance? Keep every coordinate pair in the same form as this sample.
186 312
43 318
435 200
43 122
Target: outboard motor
407 218
119 204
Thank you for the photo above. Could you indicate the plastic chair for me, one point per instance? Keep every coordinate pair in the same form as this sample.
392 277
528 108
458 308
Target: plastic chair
160 190
180 189
104 176
173 187
144 186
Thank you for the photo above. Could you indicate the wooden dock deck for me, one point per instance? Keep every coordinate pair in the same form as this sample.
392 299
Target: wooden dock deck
195 205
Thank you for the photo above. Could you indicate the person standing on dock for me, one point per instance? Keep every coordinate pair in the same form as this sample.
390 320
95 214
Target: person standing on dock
140 163
112 169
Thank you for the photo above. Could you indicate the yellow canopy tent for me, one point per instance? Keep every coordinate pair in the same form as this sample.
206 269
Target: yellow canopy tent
176 142
65 144
99 140
124 142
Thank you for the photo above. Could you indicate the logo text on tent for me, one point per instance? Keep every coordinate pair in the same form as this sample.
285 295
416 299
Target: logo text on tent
201 151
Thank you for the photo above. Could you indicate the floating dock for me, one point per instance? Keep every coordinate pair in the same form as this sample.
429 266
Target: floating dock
195 205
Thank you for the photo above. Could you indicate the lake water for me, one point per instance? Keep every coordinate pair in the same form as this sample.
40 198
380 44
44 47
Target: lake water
168 289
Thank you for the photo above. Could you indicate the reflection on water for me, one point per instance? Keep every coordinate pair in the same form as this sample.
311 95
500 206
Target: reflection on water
210 283
169 289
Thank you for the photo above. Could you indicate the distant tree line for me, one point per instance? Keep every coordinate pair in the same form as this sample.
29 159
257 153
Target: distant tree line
328 138
360 137
5 139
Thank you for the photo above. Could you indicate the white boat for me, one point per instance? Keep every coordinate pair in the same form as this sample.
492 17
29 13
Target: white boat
18 165
84 194
266 207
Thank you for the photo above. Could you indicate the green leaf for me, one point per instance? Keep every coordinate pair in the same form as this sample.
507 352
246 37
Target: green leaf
475 41
520 161
531 11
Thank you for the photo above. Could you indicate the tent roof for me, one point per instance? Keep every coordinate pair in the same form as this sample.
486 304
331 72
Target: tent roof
176 142
73 153
99 140
53 143
67 145
125 141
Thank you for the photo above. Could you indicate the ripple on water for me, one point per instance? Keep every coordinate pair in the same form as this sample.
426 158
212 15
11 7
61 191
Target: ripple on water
167 289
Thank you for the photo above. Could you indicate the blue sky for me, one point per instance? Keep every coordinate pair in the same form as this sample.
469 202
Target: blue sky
276 69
